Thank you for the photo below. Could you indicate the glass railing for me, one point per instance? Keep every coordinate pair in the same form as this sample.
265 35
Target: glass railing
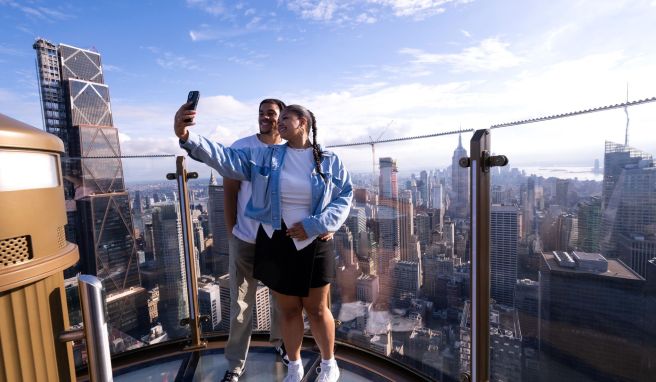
572 238
124 215
572 235
402 257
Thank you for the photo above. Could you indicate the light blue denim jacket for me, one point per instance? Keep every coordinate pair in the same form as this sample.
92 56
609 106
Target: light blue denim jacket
331 199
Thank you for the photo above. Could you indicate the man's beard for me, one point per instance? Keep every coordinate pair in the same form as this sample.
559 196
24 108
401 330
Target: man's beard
269 132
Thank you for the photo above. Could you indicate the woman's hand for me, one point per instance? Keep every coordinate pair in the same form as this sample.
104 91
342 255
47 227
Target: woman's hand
326 236
297 232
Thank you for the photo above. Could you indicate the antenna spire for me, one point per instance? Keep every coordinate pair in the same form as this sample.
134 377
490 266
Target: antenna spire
626 111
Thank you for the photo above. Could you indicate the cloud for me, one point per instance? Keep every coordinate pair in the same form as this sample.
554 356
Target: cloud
206 32
213 7
169 60
349 12
38 12
418 9
465 33
319 10
364 18
490 55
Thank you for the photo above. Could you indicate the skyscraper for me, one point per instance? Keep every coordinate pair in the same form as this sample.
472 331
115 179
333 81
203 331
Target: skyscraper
459 182
592 318
617 158
629 214
209 302
77 109
167 238
388 183
589 223
218 228
504 237
407 242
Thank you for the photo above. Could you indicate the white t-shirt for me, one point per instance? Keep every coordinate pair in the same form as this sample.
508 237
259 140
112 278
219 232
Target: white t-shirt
295 191
246 228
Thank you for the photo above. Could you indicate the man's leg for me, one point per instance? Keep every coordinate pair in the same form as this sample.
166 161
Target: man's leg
275 335
242 300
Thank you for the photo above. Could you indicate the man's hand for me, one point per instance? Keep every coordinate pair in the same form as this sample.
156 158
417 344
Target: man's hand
297 232
326 236
183 119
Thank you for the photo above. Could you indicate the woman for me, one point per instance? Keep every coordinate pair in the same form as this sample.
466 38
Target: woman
300 195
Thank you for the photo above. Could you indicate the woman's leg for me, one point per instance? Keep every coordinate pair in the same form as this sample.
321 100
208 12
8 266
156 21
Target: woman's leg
321 319
291 323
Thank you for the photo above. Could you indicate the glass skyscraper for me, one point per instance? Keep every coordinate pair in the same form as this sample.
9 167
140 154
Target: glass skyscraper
77 109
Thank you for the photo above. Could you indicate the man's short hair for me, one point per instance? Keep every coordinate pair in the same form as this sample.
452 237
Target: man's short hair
281 105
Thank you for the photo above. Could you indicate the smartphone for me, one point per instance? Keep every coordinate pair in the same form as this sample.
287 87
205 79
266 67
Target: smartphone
192 98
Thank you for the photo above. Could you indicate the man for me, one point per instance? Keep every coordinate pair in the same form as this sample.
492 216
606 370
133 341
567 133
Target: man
242 232
242 251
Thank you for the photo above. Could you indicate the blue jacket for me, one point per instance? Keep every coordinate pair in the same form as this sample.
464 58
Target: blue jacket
331 198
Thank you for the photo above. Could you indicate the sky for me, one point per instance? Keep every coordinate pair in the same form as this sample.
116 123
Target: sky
368 69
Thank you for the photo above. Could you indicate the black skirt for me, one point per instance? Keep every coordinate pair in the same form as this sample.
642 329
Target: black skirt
288 271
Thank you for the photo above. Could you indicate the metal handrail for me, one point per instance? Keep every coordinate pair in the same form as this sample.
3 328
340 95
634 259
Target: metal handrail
479 164
194 320
92 303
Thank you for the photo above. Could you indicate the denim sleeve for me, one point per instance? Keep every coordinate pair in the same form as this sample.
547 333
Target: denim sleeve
335 213
230 163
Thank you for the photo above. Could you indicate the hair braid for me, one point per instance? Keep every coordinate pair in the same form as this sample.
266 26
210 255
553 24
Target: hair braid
316 150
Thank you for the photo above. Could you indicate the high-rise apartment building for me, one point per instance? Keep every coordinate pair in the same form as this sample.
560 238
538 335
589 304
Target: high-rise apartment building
367 288
562 190
407 237
406 277
388 183
209 303
504 237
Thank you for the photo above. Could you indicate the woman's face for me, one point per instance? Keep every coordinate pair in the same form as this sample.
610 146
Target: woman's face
290 126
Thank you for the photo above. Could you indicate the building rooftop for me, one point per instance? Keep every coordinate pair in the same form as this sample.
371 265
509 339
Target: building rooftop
615 268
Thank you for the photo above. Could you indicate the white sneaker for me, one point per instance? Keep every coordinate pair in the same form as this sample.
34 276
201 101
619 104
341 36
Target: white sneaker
328 372
295 372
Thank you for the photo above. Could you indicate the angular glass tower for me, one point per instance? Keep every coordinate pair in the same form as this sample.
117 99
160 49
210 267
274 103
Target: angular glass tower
76 108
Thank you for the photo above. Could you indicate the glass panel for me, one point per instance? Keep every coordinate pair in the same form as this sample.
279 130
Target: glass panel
402 256
573 247
131 239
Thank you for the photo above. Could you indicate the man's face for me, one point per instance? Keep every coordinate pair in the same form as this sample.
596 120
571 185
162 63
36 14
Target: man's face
268 119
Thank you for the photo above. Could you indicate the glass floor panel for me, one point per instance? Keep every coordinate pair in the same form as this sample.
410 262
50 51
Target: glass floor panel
152 371
262 365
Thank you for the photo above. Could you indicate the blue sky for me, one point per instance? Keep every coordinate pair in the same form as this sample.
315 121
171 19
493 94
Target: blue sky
369 67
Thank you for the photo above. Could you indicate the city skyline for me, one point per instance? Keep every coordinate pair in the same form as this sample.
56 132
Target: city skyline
573 260
393 78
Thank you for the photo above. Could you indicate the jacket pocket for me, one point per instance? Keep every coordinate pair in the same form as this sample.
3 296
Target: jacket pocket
260 186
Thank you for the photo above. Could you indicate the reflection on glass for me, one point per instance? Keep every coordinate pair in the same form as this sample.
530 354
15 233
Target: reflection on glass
573 269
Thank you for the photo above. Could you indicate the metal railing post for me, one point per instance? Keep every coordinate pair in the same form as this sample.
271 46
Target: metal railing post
479 164
194 320
96 334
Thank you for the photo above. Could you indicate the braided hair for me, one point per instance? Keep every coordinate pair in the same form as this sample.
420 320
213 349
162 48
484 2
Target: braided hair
301 111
